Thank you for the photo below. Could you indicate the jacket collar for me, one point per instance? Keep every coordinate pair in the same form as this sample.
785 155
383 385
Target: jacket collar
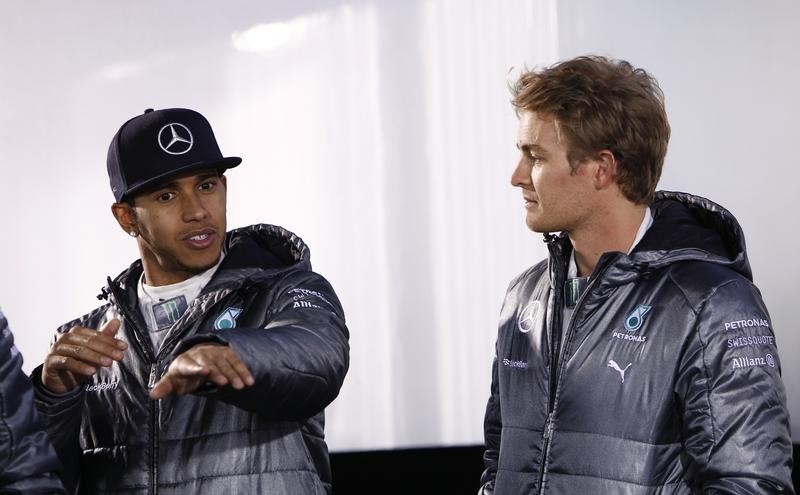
685 228
251 254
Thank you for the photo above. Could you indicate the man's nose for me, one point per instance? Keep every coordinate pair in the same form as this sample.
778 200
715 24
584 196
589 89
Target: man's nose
193 208
521 176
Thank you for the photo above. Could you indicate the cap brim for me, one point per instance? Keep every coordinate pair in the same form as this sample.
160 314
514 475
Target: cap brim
222 164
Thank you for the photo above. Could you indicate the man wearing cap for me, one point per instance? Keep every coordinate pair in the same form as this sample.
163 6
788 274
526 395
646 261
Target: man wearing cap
209 368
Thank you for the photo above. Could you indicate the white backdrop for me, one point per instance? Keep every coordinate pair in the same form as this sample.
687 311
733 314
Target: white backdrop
381 133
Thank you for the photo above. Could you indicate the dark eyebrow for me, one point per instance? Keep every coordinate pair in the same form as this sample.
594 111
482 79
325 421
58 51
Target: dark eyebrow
174 185
161 187
208 175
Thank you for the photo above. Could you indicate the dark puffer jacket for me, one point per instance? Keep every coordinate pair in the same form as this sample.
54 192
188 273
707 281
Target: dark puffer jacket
283 320
669 378
27 460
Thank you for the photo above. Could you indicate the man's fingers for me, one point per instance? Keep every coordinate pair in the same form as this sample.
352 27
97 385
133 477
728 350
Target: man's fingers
185 366
97 341
214 363
110 329
241 368
58 364
183 376
175 385
86 347
77 354
225 374
226 367
85 354
162 388
211 371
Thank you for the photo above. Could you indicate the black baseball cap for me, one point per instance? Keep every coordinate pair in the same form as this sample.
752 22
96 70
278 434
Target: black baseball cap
161 144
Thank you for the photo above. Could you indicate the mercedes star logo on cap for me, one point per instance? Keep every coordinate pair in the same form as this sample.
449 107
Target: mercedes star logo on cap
177 141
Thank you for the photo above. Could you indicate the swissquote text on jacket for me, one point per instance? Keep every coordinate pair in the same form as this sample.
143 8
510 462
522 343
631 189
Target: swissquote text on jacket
668 379
285 323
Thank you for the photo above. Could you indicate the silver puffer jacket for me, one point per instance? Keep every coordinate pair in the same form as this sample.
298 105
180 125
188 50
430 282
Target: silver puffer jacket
282 319
666 380
28 463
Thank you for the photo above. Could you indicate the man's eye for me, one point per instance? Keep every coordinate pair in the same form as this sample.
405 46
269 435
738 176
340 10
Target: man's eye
207 186
166 196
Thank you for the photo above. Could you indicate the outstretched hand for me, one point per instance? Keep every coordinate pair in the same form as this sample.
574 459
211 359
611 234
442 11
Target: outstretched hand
78 353
216 363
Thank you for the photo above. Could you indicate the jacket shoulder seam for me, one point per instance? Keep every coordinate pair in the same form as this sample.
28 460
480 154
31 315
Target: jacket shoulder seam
696 304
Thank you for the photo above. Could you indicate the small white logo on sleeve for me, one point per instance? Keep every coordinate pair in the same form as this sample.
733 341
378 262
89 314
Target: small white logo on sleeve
307 298
750 361
613 364
748 323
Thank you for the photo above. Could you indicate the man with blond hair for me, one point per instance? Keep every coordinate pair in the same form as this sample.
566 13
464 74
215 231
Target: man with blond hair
639 357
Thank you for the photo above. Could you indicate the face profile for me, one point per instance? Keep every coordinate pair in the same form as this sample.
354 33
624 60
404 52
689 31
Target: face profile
590 335
555 192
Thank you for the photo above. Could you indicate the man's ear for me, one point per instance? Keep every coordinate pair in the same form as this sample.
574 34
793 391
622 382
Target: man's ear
126 218
606 173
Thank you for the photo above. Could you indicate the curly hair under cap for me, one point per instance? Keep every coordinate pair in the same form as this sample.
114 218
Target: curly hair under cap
603 104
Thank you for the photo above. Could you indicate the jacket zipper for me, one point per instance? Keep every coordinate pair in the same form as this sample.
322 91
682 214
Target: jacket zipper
155 405
555 333
153 430
547 432
151 380
555 365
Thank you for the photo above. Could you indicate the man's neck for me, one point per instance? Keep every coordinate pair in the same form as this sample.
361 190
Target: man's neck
160 277
613 230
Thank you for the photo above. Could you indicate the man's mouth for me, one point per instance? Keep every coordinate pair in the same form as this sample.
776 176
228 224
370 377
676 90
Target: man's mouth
201 240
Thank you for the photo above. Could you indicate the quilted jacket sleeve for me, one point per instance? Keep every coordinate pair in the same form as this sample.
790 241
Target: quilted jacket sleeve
299 359
27 460
492 426
61 415
735 418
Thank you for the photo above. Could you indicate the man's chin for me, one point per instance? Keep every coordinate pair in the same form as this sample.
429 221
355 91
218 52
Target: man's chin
535 226
198 266
541 225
